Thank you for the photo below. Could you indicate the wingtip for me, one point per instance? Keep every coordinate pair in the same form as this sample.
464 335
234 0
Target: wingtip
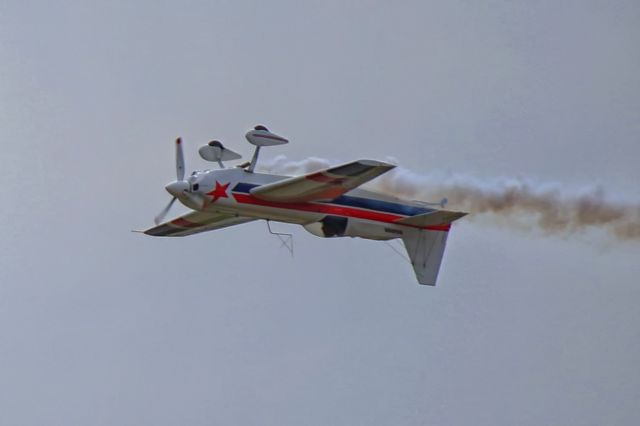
376 163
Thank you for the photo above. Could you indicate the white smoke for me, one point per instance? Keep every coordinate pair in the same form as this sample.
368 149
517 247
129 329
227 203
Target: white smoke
512 201
282 165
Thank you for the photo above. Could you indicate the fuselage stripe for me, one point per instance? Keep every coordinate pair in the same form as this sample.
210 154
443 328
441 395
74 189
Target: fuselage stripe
357 202
348 206
319 208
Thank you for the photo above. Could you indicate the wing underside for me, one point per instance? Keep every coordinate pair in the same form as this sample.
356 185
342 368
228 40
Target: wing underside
195 222
322 185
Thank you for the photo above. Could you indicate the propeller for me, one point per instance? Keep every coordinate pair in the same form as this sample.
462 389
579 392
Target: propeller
179 160
160 217
177 187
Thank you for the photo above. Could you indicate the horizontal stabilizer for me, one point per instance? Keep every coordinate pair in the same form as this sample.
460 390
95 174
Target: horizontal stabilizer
437 217
322 185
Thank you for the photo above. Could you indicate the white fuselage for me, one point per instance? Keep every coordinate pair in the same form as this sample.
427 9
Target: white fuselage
358 213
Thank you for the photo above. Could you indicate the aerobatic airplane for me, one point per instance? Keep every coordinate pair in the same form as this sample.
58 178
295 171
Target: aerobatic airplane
327 203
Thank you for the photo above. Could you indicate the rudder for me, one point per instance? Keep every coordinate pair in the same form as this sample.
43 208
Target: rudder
425 249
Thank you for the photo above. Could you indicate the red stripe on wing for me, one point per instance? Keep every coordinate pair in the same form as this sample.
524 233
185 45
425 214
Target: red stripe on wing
320 177
183 223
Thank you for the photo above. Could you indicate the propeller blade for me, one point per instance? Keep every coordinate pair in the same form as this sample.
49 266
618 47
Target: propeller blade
164 212
179 159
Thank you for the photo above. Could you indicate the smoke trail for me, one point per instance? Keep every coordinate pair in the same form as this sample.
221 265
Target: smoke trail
515 202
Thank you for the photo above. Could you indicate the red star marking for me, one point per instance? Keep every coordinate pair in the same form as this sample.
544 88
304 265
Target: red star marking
219 192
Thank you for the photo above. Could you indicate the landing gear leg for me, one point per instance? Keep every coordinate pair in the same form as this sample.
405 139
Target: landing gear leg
286 240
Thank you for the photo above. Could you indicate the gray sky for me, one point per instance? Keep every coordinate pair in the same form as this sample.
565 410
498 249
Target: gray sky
101 326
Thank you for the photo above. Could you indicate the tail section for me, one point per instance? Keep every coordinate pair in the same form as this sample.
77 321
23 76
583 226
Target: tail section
433 218
425 239
425 249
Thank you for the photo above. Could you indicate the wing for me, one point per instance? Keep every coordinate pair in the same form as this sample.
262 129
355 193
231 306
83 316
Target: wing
325 184
195 222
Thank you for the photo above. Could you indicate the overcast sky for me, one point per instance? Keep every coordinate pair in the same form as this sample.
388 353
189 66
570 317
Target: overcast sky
101 326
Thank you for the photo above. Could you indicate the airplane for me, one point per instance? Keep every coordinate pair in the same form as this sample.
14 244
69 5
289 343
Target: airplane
327 203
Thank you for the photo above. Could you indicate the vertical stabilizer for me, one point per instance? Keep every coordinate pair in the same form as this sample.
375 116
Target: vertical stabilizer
425 249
